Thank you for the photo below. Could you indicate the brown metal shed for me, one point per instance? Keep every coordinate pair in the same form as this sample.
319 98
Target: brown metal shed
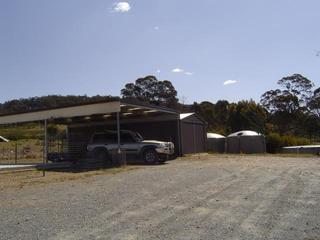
193 133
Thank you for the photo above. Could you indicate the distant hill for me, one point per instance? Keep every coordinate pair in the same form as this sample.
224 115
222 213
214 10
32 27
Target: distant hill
50 101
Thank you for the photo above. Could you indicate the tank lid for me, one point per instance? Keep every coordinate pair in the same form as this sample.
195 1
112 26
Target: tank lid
214 135
244 133
185 115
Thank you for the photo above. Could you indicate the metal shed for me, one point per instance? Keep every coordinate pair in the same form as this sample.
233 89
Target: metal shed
245 141
193 133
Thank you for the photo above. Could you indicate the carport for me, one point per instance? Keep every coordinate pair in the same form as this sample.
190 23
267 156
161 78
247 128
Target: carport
105 113
152 121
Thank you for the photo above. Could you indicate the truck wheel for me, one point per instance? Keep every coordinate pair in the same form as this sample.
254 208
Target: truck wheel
150 156
101 155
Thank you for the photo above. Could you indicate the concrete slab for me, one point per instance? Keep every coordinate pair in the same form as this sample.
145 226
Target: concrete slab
313 149
4 167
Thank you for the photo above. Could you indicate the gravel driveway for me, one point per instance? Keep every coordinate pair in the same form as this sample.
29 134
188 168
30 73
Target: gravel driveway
217 197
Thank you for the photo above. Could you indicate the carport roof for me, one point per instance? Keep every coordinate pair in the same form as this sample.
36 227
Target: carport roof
82 110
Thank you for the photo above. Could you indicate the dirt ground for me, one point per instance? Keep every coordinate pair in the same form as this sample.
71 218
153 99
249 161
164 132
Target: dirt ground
206 197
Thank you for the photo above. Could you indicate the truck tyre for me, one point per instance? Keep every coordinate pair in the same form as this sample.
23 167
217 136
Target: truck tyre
150 156
101 155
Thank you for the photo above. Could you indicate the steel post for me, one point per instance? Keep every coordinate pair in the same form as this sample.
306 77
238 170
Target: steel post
45 148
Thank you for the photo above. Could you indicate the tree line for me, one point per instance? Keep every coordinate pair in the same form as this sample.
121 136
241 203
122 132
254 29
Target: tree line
288 115
292 109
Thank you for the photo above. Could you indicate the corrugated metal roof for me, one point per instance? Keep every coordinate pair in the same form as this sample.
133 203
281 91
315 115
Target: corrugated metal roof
67 112
82 110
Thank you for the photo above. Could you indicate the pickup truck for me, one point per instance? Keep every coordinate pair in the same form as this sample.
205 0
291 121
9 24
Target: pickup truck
103 144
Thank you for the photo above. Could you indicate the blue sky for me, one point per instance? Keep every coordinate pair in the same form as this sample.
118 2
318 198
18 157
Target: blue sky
96 46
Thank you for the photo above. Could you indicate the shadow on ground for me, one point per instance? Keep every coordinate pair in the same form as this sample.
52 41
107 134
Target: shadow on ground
87 166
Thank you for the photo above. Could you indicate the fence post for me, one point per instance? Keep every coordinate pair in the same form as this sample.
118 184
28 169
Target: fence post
16 152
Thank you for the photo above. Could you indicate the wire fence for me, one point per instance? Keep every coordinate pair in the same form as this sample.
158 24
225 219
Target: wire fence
60 148
27 151
21 152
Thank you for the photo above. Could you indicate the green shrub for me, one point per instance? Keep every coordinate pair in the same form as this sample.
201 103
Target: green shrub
29 131
275 142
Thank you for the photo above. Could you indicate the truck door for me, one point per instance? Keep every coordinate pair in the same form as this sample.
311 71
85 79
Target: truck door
128 143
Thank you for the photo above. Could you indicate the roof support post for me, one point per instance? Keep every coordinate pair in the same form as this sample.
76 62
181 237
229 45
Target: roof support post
16 148
16 151
179 136
118 132
45 148
119 153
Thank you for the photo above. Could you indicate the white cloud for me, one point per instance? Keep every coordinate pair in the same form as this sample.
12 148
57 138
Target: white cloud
121 7
188 73
177 70
156 28
158 71
228 82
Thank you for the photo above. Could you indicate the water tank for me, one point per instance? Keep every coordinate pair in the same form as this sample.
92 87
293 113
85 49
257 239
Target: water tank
215 143
245 141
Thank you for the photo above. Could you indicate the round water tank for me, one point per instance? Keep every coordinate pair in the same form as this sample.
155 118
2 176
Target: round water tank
215 143
245 141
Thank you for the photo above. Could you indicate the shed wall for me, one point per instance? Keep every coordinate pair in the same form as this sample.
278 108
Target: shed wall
193 137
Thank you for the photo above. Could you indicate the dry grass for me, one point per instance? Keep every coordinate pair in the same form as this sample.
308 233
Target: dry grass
13 179
28 151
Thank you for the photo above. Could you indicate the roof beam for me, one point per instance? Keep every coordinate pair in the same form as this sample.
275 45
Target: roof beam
66 112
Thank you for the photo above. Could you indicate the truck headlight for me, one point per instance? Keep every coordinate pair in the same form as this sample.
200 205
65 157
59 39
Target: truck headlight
162 145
